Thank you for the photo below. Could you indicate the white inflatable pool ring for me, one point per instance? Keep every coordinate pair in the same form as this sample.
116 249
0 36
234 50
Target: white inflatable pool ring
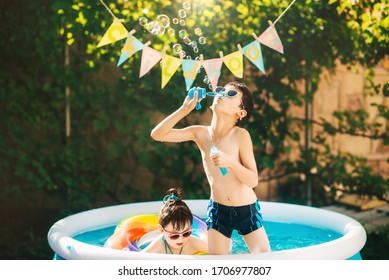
353 239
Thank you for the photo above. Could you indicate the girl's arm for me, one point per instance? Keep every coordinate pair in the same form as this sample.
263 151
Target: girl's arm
200 245
156 246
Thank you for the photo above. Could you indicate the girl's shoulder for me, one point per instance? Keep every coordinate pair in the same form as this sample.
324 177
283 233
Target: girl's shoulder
198 245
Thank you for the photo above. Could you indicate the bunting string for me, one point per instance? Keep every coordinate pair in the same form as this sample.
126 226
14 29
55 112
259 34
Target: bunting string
281 15
108 9
169 64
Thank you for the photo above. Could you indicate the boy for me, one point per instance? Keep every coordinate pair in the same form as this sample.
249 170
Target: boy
233 203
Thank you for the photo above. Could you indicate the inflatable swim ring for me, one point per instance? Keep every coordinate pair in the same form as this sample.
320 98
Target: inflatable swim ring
136 231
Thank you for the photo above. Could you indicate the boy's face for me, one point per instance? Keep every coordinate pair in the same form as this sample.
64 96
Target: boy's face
230 103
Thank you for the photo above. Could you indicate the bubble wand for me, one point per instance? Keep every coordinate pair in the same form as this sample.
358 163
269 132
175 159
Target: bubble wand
202 93
215 151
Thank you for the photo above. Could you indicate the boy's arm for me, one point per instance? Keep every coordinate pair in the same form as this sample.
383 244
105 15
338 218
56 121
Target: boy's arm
247 171
164 131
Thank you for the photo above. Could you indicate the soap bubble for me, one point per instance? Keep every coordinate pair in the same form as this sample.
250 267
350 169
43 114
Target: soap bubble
182 13
188 57
186 5
198 31
206 79
202 40
193 44
175 20
196 49
154 28
143 21
182 53
171 32
177 48
187 41
183 34
163 21
182 22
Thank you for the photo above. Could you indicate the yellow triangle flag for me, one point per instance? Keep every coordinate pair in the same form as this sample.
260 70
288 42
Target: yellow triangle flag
234 63
115 32
169 65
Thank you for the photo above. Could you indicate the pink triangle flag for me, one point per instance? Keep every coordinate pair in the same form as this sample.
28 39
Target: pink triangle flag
150 57
271 39
213 69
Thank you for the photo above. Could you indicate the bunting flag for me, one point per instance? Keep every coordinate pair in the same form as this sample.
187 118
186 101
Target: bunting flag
150 57
190 69
270 38
253 53
115 32
234 63
169 65
131 46
213 69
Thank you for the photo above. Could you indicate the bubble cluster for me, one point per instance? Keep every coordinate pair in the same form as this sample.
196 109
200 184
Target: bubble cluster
182 35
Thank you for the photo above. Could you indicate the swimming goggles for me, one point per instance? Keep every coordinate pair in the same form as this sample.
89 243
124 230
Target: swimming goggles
175 236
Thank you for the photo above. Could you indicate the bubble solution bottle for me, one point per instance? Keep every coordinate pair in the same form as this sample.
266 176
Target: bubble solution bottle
215 151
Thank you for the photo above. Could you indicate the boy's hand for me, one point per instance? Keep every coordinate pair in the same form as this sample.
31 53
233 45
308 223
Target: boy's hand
220 159
190 103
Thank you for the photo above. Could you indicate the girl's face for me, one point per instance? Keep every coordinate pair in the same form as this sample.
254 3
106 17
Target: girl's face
177 239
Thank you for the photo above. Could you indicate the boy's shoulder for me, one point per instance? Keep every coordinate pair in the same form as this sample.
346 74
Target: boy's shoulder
241 130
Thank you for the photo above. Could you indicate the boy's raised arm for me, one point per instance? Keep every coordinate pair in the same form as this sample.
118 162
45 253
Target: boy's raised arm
164 131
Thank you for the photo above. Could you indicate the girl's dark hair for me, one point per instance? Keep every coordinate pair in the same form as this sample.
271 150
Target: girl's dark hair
175 211
247 100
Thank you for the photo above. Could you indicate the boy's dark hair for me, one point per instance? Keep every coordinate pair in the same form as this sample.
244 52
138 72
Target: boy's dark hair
247 100
175 211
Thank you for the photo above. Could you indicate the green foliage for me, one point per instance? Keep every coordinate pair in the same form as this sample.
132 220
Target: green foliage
377 244
113 111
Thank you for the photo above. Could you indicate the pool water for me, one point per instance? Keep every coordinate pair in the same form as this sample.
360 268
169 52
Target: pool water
282 236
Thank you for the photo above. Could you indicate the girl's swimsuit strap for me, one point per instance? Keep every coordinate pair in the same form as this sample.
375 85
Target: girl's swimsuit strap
167 247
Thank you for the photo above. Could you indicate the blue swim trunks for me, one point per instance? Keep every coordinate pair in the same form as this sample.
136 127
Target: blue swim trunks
225 219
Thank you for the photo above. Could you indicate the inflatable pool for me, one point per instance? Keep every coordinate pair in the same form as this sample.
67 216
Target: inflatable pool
352 240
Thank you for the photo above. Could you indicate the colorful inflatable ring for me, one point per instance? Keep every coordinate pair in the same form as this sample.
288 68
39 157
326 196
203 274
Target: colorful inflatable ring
135 231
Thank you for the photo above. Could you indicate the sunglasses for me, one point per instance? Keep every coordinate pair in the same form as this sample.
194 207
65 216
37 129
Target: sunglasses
175 236
221 90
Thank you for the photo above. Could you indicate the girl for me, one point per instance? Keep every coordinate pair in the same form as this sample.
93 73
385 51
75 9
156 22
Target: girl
175 225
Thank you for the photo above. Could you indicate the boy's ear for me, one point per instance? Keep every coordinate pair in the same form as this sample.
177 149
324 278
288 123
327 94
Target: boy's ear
241 113
160 228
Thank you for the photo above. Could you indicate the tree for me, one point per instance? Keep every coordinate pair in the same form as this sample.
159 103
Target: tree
112 110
